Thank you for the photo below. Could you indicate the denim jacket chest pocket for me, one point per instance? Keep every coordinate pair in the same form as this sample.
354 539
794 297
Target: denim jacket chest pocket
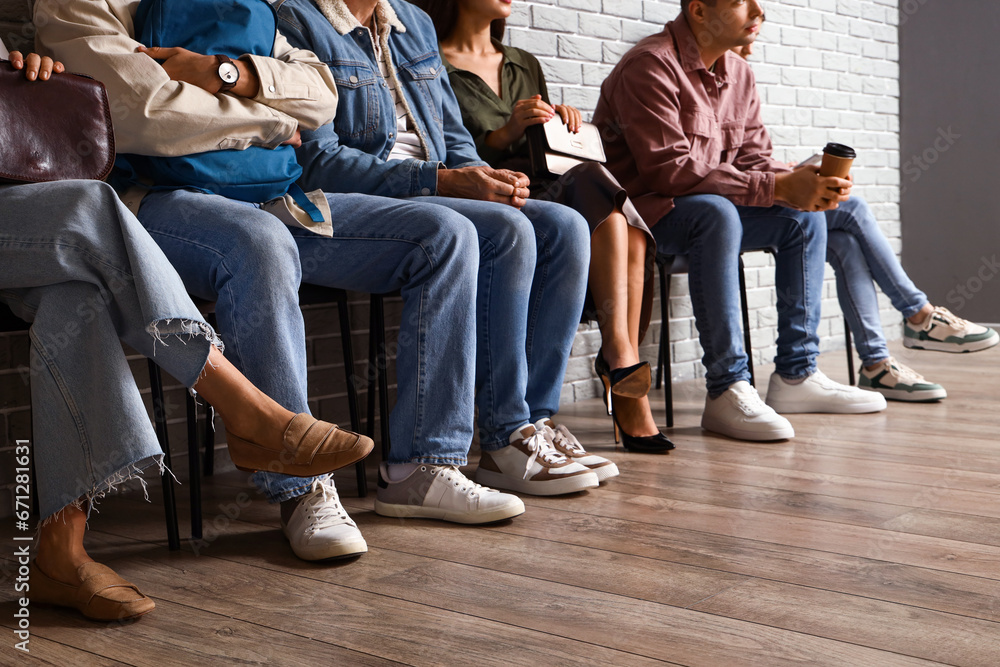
358 105
422 73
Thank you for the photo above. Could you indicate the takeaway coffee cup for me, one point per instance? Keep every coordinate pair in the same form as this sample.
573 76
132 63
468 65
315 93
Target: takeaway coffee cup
837 160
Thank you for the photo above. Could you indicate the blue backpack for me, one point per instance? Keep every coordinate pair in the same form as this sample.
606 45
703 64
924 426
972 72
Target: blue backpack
232 28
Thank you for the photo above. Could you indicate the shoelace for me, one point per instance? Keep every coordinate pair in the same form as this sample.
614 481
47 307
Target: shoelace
561 436
903 373
942 314
323 505
541 448
749 401
464 485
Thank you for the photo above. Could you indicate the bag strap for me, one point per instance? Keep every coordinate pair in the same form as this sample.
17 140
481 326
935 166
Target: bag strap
300 198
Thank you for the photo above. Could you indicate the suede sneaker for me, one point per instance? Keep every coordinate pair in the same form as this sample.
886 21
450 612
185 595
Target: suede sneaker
740 413
899 383
818 393
945 332
319 528
530 464
567 444
442 492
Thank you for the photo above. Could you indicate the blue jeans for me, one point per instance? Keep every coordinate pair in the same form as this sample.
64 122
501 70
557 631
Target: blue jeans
860 254
75 263
251 265
712 232
532 283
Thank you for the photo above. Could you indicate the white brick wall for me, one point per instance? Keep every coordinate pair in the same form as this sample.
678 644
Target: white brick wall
828 70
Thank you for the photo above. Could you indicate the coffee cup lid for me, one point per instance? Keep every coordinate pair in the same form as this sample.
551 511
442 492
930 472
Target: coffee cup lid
840 150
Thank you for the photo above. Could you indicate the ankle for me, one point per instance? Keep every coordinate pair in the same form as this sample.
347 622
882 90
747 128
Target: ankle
921 315
288 508
619 355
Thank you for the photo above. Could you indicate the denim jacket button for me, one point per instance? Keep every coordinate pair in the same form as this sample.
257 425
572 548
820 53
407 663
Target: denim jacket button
354 79
425 191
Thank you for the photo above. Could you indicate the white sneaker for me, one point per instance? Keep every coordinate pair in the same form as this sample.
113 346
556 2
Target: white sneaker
320 529
442 492
532 465
567 444
740 413
818 393
946 332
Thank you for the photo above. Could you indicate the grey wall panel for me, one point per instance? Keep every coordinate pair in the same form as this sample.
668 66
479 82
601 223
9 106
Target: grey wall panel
950 152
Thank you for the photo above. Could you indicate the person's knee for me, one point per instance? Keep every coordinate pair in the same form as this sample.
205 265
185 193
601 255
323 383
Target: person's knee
95 201
718 217
449 240
840 245
265 253
563 230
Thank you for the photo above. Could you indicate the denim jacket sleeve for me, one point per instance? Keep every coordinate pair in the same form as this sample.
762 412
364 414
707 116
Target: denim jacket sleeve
329 166
460 145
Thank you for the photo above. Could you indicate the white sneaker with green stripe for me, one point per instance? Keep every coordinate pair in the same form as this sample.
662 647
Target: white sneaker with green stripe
899 383
944 332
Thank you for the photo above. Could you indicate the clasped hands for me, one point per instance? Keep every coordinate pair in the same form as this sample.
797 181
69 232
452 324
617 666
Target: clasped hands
484 184
805 190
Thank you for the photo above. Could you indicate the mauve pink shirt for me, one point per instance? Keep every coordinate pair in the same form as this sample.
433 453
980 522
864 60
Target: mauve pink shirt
672 128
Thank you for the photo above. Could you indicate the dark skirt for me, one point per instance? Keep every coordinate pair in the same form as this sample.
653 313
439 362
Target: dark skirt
591 190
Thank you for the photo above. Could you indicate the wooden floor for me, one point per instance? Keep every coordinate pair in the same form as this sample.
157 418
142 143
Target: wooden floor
866 540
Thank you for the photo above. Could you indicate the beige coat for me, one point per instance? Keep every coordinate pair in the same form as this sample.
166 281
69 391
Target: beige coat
156 116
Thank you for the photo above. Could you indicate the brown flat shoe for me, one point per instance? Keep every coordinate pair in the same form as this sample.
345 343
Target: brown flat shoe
103 595
310 447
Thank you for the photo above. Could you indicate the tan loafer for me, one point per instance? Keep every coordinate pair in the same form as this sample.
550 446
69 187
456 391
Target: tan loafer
102 595
310 447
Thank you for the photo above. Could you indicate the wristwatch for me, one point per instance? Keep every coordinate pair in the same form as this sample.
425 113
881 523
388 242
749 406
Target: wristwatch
228 72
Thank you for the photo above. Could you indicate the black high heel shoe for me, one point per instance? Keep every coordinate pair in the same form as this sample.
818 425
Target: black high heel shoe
645 444
631 381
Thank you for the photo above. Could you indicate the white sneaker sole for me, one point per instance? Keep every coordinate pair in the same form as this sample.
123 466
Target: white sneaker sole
819 406
508 511
549 487
941 346
778 432
605 472
910 396
331 550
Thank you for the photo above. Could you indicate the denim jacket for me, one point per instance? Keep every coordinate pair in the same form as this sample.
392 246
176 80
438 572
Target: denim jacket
349 155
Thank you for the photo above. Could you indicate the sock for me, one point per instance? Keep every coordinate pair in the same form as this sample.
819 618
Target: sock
545 421
400 471
288 508
795 380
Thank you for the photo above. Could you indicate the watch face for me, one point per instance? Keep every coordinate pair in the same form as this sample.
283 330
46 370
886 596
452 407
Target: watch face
229 73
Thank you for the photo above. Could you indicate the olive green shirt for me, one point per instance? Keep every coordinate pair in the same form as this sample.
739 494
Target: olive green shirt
482 111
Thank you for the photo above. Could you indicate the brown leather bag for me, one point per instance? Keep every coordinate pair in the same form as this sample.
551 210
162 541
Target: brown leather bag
53 130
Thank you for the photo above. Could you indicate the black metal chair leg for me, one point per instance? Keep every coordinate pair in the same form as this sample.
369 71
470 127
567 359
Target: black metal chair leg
160 421
668 377
382 372
194 466
209 437
352 389
663 318
747 348
850 353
